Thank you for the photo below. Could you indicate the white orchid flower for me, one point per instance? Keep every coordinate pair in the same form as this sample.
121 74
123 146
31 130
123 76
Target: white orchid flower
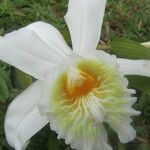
76 90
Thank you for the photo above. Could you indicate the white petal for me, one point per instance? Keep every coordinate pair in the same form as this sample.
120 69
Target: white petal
94 107
103 140
25 50
135 67
51 36
125 131
84 19
44 97
146 44
22 118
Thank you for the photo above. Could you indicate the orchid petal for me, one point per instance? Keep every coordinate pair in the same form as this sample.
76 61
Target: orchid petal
22 118
135 67
84 19
51 36
34 49
122 126
25 50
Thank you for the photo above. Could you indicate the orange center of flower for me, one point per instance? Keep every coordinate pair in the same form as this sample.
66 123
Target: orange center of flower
79 85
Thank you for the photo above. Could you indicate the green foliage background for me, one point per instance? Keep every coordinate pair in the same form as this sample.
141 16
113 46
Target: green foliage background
123 18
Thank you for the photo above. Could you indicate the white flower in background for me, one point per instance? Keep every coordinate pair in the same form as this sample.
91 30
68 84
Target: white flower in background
146 44
76 91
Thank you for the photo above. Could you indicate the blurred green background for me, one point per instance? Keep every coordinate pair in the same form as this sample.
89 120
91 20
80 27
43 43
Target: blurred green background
129 19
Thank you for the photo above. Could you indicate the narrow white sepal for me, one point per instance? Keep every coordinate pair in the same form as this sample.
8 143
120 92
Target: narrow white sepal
135 67
84 19
23 119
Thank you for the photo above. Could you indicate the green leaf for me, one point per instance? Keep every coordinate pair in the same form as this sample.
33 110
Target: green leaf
5 85
53 142
142 83
3 65
125 48
21 79
66 36
6 77
1 31
121 146
143 147
144 106
1 145
4 91
68 148
2 114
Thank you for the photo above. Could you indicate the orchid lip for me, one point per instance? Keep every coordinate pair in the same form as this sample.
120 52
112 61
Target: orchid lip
89 88
79 83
